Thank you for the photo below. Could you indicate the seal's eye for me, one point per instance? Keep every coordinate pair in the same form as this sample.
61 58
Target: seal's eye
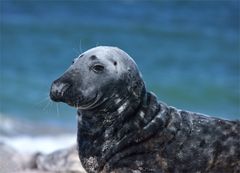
97 68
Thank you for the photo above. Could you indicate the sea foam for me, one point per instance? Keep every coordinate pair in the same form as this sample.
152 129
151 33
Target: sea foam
26 136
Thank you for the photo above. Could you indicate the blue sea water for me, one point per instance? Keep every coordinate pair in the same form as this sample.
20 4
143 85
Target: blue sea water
188 52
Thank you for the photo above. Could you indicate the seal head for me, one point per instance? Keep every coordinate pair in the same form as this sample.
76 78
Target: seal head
97 75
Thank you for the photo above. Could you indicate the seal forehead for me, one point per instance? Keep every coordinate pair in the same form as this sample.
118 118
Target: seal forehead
100 52
107 52
112 54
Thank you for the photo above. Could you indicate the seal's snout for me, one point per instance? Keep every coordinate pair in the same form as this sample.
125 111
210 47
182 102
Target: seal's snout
58 90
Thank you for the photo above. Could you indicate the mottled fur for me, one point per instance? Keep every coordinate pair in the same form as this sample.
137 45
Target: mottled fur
128 130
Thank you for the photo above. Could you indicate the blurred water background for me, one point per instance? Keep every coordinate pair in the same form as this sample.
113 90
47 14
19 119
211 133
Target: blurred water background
188 53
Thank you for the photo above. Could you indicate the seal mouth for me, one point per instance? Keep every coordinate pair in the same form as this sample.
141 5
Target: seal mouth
90 104
65 88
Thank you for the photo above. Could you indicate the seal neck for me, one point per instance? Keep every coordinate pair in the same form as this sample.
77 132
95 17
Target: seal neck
114 111
102 133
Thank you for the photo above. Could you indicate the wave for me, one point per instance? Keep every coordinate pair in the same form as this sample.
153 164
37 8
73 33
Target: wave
43 144
26 136
12 126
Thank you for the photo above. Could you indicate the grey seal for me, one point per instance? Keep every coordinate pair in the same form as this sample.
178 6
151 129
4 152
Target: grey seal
124 128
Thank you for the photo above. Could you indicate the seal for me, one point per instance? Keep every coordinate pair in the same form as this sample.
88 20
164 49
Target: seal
123 128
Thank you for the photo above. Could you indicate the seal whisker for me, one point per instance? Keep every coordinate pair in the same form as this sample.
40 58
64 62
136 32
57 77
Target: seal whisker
80 46
46 106
78 50
45 103
57 106
46 99
97 44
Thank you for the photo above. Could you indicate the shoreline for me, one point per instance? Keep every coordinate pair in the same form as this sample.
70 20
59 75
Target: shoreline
29 136
44 144
59 161
27 147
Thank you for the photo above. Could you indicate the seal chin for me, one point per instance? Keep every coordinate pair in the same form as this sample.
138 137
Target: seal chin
91 104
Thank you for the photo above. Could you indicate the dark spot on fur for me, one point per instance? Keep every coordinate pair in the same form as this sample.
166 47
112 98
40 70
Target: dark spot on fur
115 63
93 57
81 55
218 147
223 137
206 131
202 143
